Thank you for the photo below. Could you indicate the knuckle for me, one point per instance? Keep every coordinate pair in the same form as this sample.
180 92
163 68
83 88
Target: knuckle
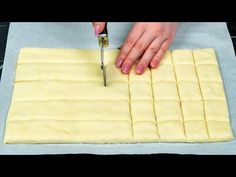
146 62
166 46
140 47
143 62
128 61
122 55
157 30
152 50
130 41
163 49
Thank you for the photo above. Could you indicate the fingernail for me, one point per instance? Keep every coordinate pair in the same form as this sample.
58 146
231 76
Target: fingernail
140 69
119 62
154 64
125 69
97 30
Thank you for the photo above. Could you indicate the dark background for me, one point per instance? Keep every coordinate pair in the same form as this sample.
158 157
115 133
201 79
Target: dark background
5 25
3 38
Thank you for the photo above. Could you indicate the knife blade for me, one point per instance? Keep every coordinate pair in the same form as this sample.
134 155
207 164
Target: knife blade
103 41
103 67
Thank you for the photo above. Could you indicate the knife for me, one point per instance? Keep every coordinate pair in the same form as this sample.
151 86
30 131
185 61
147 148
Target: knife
103 41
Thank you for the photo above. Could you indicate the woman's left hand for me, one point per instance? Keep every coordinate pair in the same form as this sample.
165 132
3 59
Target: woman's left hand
146 44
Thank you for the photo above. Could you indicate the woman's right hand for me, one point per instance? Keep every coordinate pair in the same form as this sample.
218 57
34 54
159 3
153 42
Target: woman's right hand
98 27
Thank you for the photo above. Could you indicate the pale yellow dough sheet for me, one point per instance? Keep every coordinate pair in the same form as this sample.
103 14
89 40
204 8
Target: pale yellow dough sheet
59 97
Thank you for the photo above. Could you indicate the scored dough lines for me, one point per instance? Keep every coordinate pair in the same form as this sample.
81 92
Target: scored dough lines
158 106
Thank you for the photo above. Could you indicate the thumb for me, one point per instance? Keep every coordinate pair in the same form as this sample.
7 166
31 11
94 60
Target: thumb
98 27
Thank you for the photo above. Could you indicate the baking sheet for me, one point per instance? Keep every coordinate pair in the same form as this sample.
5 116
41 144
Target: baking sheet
81 35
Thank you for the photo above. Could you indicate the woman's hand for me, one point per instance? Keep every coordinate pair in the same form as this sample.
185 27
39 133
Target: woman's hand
98 27
145 45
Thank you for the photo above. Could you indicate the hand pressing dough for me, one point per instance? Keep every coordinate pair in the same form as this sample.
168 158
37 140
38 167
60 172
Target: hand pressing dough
59 97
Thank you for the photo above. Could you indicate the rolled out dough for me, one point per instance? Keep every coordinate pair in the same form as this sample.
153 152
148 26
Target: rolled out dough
59 97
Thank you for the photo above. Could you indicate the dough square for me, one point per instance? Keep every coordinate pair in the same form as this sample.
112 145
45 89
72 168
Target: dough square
59 71
133 76
219 130
140 90
168 110
166 59
193 110
216 110
63 56
165 91
185 73
196 130
182 57
69 110
189 91
142 111
145 131
114 74
171 130
163 73
208 73
205 56
212 90
110 56
68 132
59 90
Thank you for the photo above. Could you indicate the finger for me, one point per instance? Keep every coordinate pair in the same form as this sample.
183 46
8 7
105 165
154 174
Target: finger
133 36
137 51
157 58
98 27
126 65
151 51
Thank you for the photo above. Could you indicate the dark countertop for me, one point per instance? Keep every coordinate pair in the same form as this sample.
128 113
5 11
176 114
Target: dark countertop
232 31
3 38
